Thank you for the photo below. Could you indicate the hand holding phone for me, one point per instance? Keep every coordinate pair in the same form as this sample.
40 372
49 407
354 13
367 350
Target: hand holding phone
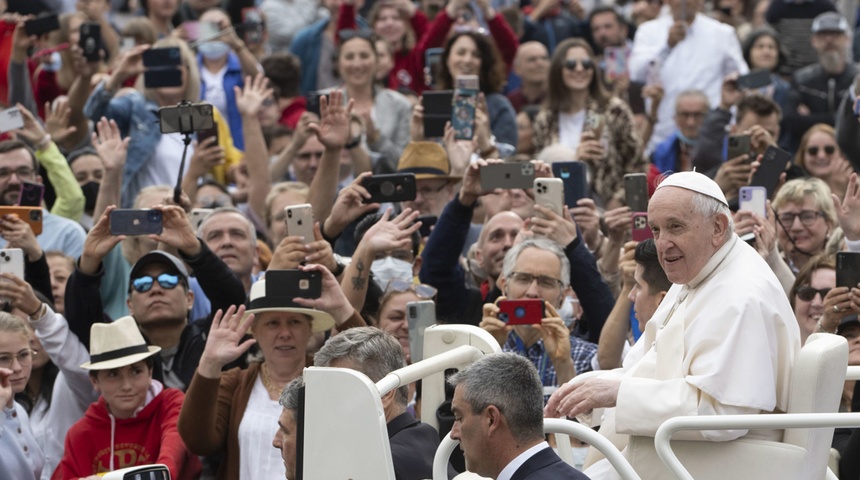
136 222
291 284
521 312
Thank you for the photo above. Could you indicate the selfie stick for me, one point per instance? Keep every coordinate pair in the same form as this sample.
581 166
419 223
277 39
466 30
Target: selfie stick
186 140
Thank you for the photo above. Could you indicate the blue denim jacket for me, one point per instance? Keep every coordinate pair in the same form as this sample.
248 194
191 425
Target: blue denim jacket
137 118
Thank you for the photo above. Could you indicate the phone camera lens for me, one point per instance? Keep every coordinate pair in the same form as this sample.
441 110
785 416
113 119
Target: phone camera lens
387 188
503 317
520 312
35 215
154 216
412 312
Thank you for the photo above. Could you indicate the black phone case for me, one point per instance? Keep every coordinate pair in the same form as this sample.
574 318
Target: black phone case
162 57
636 192
312 103
91 41
847 269
575 181
31 194
42 25
437 112
772 165
519 175
392 187
136 222
169 77
293 283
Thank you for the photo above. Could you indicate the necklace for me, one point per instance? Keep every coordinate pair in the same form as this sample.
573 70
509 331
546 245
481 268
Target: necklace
267 382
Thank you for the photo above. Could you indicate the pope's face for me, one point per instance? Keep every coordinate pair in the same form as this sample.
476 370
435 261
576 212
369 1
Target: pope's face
285 441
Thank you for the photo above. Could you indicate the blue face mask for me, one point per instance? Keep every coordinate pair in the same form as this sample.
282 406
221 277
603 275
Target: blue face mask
213 50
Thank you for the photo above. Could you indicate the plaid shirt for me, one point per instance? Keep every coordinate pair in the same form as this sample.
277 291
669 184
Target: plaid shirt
581 352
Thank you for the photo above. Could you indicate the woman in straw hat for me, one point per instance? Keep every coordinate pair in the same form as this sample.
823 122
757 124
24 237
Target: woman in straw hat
134 420
243 420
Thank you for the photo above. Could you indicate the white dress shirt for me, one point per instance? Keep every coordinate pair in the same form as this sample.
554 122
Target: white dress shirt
700 61
518 462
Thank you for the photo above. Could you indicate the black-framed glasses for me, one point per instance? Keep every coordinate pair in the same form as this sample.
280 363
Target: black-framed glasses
21 172
828 150
24 357
144 284
807 217
421 290
571 64
523 280
807 293
427 191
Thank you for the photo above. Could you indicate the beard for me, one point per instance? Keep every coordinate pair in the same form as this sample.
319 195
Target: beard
832 61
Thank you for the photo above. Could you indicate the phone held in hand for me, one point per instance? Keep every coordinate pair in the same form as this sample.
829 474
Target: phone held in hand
31 215
293 284
300 221
519 175
136 222
636 192
521 312
465 102
390 187
31 194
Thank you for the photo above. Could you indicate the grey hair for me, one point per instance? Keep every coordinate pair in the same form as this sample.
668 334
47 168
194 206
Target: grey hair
693 93
541 244
290 394
510 383
710 206
372 351
252 230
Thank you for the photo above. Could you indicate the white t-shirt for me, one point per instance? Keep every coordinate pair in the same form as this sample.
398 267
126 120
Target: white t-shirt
570 128
258 460
215 88
164 166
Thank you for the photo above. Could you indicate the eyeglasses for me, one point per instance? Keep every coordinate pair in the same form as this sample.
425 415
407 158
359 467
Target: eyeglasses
586 63
422 291
828 150
807 217
165 280
21 172
24 357
524 280
807 293
429 192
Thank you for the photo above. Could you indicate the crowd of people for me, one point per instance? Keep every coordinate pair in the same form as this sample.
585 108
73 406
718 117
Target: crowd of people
169 346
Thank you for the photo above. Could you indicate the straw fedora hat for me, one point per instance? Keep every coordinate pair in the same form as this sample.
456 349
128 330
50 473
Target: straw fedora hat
117 344
426 160
259 303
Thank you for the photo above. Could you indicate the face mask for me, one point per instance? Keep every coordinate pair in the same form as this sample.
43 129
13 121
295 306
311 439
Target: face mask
213 50
389 268
566 312
91 192
579 454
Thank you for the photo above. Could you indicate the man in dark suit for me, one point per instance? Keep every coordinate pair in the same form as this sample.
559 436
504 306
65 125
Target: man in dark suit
376 354
498 419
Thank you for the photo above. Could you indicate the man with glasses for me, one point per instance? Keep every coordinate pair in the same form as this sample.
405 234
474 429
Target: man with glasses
159 298
675 154
434 183
18 164
539 269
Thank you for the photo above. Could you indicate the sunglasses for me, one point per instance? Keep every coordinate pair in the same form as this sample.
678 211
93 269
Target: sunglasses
828 150
350 33
144 284
422 291
586 63
807 293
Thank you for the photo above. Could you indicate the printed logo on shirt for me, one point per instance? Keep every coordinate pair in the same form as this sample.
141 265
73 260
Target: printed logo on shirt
125 455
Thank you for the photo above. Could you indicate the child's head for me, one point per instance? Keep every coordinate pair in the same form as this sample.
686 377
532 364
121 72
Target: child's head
120 365
15 352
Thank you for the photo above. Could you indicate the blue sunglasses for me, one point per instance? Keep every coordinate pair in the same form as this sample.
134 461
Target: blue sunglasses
165 280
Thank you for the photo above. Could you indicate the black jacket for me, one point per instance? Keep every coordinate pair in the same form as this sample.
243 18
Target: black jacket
819 91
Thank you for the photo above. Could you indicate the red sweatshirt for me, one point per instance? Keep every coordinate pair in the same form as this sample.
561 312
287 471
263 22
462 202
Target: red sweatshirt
149 437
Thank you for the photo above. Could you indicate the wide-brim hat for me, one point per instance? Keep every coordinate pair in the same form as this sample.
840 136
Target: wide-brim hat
320 321
426 160
173 264
117 344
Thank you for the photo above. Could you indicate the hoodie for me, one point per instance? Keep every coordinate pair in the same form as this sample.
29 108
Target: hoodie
101 443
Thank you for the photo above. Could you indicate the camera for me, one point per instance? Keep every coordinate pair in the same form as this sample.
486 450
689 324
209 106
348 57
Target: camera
186 118
640 222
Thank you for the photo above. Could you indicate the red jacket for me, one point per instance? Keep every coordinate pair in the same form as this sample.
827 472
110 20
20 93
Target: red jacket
149 437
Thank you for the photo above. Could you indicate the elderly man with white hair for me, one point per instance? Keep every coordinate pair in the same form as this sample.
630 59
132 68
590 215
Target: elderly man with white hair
722 342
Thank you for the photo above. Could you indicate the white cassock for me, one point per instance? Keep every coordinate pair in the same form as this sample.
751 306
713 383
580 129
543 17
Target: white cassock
723 344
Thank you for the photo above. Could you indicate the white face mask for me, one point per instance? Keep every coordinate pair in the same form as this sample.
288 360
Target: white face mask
389 268
566 311
579 454
213 50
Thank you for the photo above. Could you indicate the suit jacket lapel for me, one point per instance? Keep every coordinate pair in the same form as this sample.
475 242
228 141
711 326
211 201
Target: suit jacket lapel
538 461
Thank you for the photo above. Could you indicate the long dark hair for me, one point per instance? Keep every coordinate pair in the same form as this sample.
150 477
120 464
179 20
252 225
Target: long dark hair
757 34
492 73
558 95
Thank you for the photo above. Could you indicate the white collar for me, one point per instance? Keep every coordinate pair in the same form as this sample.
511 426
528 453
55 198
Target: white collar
714 262
518 462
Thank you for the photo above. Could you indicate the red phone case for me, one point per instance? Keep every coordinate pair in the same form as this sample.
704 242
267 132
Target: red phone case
521 312
641 230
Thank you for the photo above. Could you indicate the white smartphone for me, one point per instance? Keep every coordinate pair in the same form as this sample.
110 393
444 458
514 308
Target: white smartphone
12 261
421 315
753 199
11 119
197 216
300 221
549 193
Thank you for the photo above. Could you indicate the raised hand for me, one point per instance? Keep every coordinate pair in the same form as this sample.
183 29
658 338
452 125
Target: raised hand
6 393
491 323
32 130
177 231
394 234
99 242
110 145
18 234
320 251
57 120
848 209
289 254
224 343
333 129
348 206
251 98
332 300
559 229
585 215
19 293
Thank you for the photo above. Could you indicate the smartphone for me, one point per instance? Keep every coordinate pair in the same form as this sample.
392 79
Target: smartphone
465 101
300 221
186 118
420 315
208 31
160 78
91 41
12 261
432 57
392 187
616 63
11 119
427 223
197 216
636 192
773 163
162 57
508 175
573 174
739 145
755 80
594 123
293 284
753 199
31 194
132 221
42 25
549 193
192 30
207 133
437 111
640 229
312 103
252 25
127 43
848 269
31 215
521 312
